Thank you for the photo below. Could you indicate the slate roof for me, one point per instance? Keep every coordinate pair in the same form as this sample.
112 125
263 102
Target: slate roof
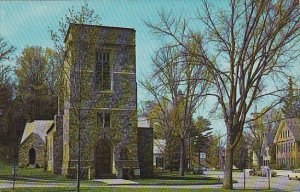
39 127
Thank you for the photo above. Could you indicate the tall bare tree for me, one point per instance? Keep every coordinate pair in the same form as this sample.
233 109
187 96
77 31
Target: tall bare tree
78 79
177 89
245 47
6 52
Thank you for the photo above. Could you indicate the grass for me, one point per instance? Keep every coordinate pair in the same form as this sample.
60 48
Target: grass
38 175
176 180
119 189
35 175
88 185
26 173
41 176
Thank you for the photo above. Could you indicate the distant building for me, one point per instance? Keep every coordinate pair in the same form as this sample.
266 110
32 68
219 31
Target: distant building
145 147
159 146
287 140
266 147
33 143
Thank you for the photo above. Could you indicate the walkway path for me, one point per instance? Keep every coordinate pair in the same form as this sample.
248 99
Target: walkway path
116 181
252 182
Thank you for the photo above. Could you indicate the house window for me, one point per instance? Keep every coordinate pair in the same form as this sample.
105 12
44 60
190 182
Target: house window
103 71
292 147
103 120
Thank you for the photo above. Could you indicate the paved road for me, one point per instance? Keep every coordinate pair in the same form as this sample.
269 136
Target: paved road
279 183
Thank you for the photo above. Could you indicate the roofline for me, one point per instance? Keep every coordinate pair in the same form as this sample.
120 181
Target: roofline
30 136
281 125
51 127
98 26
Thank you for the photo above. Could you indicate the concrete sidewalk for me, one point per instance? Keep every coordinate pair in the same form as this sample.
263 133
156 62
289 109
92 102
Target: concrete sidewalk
116 181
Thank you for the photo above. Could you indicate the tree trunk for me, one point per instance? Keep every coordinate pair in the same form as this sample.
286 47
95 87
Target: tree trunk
182 158
227 183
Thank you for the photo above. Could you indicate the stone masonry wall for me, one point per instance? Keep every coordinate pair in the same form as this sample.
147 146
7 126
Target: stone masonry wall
120 102
145 151
33 141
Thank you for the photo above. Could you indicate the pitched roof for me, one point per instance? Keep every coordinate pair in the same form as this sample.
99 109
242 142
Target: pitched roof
293 125
39 127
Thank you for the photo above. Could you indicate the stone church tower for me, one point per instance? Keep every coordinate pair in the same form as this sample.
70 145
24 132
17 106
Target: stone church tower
98 102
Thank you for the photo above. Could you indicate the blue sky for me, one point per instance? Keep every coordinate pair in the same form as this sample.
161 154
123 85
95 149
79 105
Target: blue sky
26 23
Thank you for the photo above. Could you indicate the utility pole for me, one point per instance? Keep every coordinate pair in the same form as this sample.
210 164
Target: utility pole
269 179
244 168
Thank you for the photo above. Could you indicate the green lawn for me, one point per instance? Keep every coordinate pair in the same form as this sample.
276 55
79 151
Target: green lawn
118 190
171 179
38 175
175 182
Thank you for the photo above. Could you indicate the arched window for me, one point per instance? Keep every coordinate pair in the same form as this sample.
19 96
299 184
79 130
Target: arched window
31 156
124 154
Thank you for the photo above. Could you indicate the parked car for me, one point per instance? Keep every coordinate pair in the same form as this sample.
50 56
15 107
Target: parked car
262 172
294 175
199 170
259 172
253 172
265 172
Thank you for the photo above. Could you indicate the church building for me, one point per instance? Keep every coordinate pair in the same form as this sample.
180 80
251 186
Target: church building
97 120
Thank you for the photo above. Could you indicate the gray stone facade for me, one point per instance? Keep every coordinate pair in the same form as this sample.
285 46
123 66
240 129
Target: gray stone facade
145 148
54 146
105 119
35 143
32 148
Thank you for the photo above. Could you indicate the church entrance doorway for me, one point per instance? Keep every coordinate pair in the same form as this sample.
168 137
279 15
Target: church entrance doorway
31 156
103 159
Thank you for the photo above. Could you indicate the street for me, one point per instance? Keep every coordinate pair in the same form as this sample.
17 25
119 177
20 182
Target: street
278 183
